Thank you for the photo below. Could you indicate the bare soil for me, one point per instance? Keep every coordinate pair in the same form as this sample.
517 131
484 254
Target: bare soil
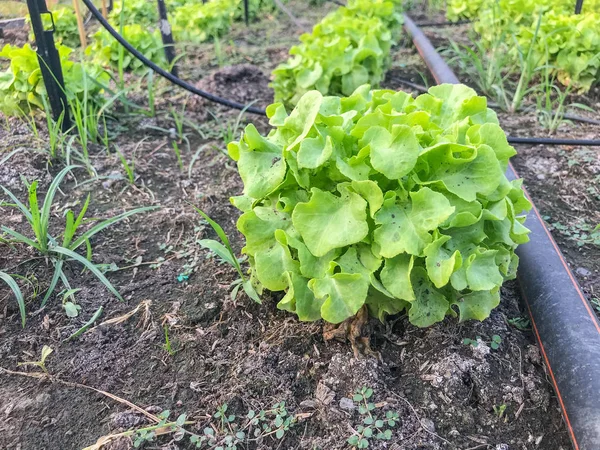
448 395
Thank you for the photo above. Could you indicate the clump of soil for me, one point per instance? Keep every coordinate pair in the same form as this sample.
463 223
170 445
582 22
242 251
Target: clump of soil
14 36
243 83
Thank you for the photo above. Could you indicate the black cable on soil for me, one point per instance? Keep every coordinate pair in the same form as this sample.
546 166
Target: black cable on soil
553 141
173 79
442 24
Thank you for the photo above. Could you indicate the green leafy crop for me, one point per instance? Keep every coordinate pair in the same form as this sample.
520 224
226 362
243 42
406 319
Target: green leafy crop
22 87
462 9
348 48
384 200
140 12
255 8
568 43
199 22
105 49
65 26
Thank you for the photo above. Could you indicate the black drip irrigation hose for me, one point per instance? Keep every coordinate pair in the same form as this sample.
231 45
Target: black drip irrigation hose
566 328
442 24
173 79
553 141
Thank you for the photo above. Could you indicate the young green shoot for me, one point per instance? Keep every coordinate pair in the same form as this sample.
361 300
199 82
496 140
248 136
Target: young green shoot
128 167
167 345
224 251
37 216
46 351
14 287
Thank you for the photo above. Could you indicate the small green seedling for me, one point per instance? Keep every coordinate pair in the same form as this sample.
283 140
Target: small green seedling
499 410
473 342
231 431
496 341
46 351
223 417
372 426
520 323
71 308
225 252
167 345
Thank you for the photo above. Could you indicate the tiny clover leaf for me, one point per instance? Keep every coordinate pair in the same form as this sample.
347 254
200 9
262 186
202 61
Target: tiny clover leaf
380 199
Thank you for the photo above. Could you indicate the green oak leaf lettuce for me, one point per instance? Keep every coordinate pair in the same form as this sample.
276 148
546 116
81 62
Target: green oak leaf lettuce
348 48
22 86
382 200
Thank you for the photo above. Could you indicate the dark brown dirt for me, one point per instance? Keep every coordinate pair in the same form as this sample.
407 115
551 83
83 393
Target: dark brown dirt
13 36
448 395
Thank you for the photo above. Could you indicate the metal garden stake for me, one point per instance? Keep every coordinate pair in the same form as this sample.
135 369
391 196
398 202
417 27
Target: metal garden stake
49 61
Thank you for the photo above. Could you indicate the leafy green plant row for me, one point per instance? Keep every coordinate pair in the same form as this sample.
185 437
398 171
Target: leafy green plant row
568 43
348 48
65 26
382 200
22 87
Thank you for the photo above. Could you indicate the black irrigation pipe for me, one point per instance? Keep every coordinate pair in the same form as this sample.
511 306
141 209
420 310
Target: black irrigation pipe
442 24
173 79
553 141
567 330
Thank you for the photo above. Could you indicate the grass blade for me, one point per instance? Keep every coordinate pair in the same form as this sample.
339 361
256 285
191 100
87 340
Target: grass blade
215 226
45 215
12 284
24 209
7 157
88 265
57 273
36 222
87 325
218 248
20 238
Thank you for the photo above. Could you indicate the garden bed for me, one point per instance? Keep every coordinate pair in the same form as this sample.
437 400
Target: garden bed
448 393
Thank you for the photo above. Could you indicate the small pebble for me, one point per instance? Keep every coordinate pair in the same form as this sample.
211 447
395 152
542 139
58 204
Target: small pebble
308 404
347 404
583 272
428 425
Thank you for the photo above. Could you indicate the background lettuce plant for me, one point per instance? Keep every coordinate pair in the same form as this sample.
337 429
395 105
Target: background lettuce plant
141 12
105 50
568 43
22 87
382 200
199 22
65 26
348 48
